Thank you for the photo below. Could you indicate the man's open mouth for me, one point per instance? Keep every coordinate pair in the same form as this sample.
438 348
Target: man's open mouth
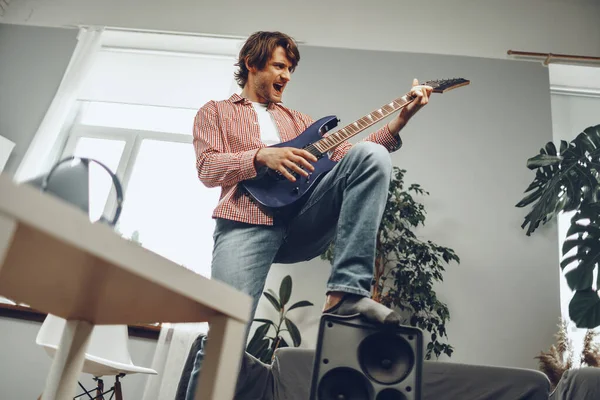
278 87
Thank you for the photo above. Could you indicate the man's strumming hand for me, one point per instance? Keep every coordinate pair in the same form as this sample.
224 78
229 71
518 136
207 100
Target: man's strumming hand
286 160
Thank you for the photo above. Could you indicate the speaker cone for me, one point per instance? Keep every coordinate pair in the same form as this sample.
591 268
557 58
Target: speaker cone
344 384
386 358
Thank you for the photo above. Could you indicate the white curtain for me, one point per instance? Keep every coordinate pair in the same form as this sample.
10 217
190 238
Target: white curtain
40 153
172 350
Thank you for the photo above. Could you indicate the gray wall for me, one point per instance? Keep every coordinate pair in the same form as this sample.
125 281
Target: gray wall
32 63
468 148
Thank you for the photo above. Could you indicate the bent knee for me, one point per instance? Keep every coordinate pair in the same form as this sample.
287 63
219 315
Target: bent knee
373 153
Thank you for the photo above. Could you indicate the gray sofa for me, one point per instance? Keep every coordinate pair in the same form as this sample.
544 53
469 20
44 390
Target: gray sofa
292 370
289 378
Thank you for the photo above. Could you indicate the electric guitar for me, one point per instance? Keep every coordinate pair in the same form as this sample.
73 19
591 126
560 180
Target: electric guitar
279 195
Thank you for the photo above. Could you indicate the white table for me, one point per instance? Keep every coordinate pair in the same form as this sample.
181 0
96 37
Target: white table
53 259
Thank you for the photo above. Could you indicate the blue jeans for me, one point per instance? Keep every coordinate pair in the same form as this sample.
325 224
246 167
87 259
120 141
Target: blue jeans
346 207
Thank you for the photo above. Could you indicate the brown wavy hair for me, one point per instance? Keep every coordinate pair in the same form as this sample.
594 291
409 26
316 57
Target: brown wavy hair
258 50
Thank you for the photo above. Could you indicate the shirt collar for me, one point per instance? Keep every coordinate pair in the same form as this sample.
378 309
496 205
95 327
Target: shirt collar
236 98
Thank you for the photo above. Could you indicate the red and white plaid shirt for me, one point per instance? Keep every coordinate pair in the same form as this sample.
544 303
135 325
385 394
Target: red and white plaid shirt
226 140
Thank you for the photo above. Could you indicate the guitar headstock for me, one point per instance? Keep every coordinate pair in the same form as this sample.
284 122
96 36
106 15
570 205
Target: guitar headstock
444 85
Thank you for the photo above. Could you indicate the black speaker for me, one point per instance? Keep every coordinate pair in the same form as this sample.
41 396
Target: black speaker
358 360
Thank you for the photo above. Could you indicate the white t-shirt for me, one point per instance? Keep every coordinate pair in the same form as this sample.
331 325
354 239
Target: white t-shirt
269 134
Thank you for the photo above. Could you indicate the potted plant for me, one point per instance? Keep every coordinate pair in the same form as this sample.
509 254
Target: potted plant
567 180
406 267
268 336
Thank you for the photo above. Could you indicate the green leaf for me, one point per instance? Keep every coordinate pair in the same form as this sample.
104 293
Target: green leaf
584 309
584 236
267 356
580 278
272 293
282 343
273 301
255 343
285 290
303 303
262 351
543 160
294 332
266 321
262 330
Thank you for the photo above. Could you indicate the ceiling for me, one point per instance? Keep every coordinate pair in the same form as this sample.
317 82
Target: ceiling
478 28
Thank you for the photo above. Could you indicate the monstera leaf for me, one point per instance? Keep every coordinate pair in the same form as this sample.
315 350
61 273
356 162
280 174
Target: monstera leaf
568 180
584 237
565 178
584 309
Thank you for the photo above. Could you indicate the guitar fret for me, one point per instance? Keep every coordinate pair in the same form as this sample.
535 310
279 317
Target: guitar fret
331 141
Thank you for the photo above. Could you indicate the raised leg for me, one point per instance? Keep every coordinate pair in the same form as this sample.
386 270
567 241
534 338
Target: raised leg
68 361
224 350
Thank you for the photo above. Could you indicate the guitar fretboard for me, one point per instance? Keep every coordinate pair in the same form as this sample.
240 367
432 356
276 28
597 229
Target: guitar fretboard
335 139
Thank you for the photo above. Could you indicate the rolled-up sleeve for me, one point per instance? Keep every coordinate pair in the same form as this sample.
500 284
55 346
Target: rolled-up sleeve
215 165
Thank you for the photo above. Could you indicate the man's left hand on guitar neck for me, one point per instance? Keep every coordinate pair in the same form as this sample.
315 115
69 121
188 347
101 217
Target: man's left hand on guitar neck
421 94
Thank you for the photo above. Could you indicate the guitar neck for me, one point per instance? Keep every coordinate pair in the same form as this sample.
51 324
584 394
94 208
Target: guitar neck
333 140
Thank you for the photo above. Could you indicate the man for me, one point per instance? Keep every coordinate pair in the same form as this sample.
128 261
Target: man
230 141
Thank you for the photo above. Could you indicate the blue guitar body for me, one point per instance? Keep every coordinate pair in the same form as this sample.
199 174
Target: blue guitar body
277 193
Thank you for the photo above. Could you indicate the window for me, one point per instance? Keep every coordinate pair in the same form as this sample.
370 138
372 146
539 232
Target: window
575 93
168 206
135 113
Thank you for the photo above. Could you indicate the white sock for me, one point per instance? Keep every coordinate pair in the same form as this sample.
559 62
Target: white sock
352 304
